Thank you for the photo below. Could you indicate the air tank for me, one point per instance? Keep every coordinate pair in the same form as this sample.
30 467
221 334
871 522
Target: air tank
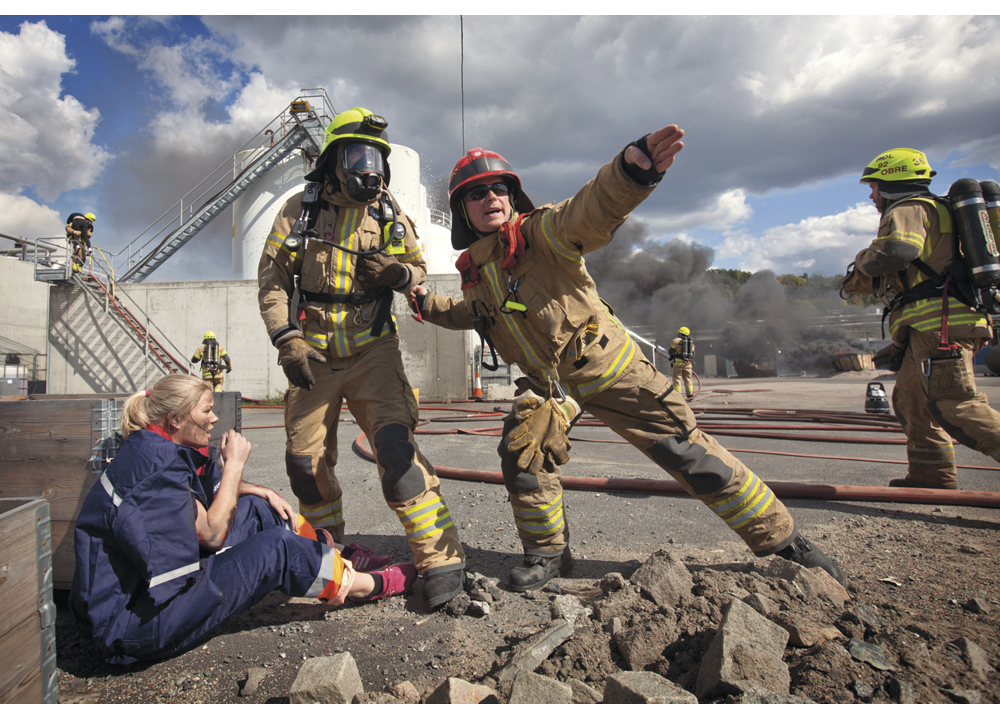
254 211
973 225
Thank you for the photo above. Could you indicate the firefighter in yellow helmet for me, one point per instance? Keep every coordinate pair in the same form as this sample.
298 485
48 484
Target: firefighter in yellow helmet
681 357
935 396
335 254
526 289
214 359
79 228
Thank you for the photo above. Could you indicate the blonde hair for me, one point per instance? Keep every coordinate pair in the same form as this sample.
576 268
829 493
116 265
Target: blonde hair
173 395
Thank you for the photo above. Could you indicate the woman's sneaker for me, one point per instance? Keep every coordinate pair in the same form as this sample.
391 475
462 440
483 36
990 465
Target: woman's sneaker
396 579
365 560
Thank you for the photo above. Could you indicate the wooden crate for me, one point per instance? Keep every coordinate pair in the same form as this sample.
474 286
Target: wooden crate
56 449
27 613
56 446
853 362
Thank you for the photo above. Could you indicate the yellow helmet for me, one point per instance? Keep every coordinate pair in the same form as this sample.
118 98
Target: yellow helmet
684 331
91 216
900 165
358 124
210 335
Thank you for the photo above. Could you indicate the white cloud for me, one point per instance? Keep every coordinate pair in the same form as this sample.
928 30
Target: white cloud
23 217
728 209
826 244
45 137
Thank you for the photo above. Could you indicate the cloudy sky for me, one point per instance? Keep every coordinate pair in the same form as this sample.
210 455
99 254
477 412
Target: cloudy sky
122 115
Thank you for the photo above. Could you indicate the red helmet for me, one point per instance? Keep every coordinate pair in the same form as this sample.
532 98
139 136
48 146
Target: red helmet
475 164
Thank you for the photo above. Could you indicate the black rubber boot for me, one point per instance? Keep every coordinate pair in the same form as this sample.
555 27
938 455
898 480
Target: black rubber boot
801 551
440 587
907 481
535 571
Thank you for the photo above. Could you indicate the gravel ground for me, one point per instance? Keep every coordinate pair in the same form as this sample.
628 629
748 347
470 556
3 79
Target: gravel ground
928 570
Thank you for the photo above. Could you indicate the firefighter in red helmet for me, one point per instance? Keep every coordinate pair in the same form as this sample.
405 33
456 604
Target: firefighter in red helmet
527 292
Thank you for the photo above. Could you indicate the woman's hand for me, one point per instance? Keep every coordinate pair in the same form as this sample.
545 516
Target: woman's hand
235 448
283 508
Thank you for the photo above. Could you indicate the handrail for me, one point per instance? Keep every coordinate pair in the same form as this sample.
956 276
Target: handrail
147 243
152 342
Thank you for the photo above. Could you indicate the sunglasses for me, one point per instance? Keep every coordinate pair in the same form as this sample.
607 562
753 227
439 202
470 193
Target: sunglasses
476 194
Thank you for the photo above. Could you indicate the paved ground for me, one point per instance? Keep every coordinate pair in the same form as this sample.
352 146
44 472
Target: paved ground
619 525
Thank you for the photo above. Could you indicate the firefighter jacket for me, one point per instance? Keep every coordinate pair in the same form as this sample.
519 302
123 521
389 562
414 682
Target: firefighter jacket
568 333
136 544
681 350
339 329
921 227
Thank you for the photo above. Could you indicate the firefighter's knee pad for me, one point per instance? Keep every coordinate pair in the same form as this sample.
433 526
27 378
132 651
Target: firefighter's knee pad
402 478
705 473
302 479
515 479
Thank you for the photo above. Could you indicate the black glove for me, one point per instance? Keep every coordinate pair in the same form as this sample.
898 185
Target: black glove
650 177
382 270
294 356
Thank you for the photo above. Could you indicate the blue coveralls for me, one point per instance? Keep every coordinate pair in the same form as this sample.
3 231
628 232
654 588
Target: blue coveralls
144 589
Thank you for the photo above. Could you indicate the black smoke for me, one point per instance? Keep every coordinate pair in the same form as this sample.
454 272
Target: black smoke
656 287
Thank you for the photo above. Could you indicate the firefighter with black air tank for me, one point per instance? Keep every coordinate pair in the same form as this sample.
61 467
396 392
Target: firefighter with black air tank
934 309
681 358
526 289
213 358
335 254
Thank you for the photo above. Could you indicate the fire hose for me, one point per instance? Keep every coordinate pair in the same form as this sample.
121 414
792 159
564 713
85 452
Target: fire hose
846 421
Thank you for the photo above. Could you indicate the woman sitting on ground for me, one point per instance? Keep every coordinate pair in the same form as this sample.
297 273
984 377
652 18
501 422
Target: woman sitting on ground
168 546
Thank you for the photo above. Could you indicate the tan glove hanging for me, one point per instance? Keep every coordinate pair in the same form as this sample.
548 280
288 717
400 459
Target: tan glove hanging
542 430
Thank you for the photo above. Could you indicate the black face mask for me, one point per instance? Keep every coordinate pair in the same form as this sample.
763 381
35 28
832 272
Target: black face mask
363 167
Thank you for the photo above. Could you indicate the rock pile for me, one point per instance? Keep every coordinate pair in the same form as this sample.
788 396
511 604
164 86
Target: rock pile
758 632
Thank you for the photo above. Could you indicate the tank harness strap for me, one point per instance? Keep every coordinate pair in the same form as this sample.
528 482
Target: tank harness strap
382 295
480 323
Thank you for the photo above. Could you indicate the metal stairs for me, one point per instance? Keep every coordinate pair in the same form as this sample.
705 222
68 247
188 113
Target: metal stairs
108 343
300 126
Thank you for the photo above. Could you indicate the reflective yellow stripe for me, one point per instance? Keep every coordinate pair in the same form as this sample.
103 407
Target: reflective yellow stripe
545 519
316 340
279 241
513 322
325 515
621 363
350 221
425 520
414 254
570 253
365 336
752 500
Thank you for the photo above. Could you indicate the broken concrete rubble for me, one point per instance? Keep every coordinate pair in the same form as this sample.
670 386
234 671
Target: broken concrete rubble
327 680
746 652
528 656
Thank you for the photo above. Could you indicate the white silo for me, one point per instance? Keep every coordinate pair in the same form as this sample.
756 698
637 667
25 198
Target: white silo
254 211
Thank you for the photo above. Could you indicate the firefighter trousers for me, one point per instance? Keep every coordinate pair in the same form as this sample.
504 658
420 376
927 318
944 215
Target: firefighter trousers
935 399
683 377
643 408
380 398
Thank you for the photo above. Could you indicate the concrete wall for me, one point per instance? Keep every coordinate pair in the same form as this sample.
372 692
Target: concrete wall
89 353
25 310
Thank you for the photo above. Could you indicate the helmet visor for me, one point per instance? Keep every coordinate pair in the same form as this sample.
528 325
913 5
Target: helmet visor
361 157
